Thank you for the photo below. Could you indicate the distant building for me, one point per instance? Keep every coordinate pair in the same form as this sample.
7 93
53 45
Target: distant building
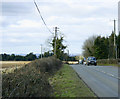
119 16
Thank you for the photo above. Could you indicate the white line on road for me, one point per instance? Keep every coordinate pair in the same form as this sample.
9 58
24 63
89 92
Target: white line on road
108 74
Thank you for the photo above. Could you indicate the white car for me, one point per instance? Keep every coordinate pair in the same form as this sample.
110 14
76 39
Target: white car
85 63
80 61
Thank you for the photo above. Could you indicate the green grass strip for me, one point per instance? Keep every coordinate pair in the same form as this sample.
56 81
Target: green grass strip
109 65
66 83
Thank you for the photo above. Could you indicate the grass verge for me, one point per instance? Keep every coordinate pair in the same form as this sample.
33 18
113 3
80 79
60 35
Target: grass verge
66 83
109 65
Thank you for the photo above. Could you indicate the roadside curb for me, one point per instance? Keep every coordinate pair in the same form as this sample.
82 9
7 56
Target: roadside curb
88 86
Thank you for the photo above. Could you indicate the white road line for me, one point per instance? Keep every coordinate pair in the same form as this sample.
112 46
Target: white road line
108 74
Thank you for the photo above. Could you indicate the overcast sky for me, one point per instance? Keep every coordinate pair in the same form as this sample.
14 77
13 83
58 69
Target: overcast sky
23 30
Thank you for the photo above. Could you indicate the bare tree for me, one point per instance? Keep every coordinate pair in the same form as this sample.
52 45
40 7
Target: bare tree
88 49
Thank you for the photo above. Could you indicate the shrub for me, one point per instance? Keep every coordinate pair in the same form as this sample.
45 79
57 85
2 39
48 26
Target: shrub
31 80
108 61
47 65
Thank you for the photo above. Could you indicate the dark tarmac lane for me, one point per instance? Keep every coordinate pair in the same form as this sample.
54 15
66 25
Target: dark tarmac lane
103 80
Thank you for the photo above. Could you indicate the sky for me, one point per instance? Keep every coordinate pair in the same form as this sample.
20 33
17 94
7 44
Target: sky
22 30
119 16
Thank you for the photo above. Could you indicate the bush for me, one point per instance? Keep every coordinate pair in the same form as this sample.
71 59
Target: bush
108 61
47 65
31 80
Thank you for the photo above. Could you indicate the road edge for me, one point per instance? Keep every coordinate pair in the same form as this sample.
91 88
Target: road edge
88 86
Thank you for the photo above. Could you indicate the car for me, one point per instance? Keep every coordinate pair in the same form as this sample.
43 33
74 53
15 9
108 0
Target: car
91 61
84 63
80 61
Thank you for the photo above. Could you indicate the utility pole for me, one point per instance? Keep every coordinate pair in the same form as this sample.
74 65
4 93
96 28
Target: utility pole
56 29
115 45
67 57
118 53
68 52
41 51
114 32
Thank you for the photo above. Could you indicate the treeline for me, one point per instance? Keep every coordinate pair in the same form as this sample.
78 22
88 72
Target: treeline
31 56
102 47
28 57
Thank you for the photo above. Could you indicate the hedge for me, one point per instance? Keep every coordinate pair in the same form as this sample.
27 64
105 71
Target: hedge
108 61
31 80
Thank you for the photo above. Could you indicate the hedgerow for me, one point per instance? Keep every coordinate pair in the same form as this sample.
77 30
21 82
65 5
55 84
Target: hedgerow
108 61
31 80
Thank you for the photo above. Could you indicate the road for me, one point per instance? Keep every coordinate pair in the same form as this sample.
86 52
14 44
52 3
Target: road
103 80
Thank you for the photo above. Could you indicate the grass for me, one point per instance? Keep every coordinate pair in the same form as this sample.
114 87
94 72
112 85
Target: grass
12 64
109 65
66 83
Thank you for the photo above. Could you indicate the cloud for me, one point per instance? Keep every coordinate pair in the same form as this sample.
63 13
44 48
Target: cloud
23 28
26 24
16 8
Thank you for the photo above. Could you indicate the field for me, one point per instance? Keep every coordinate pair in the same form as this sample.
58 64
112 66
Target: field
12 64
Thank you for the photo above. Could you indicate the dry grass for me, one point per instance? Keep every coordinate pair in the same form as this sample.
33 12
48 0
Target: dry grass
12 64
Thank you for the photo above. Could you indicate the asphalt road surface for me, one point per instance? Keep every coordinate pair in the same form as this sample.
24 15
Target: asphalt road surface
103 80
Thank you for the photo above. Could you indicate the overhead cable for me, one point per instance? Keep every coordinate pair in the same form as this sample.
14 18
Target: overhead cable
41 16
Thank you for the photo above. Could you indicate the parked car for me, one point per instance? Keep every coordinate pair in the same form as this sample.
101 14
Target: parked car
80 61
91 61
84 61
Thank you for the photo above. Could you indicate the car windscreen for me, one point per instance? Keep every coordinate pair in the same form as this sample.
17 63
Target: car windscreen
91 58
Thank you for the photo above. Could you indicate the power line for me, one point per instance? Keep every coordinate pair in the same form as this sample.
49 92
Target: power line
41 16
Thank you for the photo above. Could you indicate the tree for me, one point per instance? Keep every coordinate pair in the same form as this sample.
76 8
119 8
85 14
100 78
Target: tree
19 58
13 57
112 53
5 57
30 57
60 47
47 54
101 47
88 49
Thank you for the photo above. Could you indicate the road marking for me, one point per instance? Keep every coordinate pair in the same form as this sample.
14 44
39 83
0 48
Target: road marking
108 74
